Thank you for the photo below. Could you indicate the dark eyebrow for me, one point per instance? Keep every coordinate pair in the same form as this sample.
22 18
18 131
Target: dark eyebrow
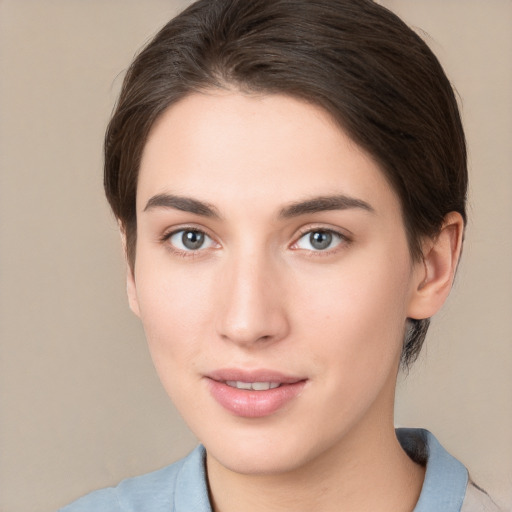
324 203
185 204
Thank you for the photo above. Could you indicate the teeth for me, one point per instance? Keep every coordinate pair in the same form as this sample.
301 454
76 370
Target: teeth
263 386
255 386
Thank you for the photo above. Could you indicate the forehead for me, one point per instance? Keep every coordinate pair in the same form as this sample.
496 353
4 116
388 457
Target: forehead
225 146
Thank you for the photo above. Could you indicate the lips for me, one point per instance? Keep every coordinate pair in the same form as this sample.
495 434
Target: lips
253 394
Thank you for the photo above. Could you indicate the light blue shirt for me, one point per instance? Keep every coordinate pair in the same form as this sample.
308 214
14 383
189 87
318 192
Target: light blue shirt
182 487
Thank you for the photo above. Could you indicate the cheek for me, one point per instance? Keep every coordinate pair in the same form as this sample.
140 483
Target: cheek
174 309
357 314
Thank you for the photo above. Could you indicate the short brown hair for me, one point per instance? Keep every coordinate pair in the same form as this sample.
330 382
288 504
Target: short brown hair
354 58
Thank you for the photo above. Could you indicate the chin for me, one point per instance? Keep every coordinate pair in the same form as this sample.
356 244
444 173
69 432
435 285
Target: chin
259 462
259 452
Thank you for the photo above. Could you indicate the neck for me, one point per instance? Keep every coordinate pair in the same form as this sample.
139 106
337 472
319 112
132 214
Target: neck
366 471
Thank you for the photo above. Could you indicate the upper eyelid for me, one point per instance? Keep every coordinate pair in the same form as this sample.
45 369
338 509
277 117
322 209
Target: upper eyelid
343 233
167 233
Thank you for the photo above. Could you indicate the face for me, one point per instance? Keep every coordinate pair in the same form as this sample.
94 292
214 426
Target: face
273 279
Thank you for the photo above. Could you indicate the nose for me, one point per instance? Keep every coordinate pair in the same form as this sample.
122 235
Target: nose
252 305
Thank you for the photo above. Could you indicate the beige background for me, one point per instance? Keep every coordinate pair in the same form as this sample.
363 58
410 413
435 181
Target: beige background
80 405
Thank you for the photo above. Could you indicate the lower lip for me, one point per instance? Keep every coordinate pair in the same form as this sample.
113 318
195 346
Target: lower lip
254 404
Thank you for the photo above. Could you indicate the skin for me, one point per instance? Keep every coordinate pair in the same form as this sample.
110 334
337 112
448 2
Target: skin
257 295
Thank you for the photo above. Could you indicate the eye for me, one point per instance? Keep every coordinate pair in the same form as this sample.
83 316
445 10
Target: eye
319 240
187 240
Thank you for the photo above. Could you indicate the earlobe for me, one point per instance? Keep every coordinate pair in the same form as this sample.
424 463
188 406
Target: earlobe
436 272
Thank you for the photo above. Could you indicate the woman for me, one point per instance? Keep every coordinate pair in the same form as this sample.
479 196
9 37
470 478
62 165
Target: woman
290 179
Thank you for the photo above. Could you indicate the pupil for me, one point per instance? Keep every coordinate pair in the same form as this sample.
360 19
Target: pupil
192 239
320 239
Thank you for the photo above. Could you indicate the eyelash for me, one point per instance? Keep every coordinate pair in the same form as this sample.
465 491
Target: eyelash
343 240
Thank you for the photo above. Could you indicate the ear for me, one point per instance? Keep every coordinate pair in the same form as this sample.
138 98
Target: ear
131 289
435 274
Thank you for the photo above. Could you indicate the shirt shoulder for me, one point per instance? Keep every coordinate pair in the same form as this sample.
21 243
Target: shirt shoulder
151 492
104 499
477 500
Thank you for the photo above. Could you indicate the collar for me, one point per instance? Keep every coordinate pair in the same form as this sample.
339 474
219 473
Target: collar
191 491
446 479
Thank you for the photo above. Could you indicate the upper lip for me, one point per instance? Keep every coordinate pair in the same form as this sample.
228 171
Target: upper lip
260 375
